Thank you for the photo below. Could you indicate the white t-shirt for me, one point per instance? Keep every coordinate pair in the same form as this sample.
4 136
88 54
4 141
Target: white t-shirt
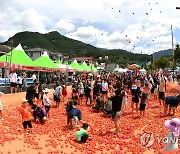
34 77
104 86
20 80
13 77
46 100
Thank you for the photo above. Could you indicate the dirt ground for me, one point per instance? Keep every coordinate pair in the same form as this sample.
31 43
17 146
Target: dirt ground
54 136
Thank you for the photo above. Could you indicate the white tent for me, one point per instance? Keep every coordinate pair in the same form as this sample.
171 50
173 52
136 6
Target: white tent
121 70
67 68
143 71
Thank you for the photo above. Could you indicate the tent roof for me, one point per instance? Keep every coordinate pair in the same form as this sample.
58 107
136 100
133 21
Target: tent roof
76 66
58 62
45 61
85 67
17 56
116 69
91 67
62 66
65 62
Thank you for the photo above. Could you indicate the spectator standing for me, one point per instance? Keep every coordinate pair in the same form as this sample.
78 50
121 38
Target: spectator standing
116 109
13 82
57 95
20 83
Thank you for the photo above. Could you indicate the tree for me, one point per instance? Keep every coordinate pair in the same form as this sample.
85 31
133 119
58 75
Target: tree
177 54
162 62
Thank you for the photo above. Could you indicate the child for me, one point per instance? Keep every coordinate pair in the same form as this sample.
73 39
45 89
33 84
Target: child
143 104
25 112
1 118
82 136
46 101
172 138
124 101
64 93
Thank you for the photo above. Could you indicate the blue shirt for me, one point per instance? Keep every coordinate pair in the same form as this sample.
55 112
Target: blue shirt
75 112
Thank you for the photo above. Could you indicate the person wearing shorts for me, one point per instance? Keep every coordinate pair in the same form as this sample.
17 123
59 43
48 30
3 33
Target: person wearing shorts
135 97
172 102
75 114
46 101
104 90
116 109
25 112
57 95
13 81
162 91
143 104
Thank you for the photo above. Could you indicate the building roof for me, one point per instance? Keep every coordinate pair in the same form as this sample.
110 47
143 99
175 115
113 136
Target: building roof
43 50
84 58
5 48
36 49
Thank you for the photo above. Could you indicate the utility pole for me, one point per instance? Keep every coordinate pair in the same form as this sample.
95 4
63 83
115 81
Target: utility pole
173 50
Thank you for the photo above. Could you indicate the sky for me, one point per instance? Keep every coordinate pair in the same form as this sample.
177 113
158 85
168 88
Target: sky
139 26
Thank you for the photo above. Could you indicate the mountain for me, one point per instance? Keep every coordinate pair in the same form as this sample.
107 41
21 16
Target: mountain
55 42
161 53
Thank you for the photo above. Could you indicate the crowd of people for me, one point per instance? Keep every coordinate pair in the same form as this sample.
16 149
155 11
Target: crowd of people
106 92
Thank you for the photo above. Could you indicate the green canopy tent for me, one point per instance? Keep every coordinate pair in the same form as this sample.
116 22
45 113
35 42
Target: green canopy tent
45 62
18 59
58 62
92 68
76 66
116 69
65 63
85 67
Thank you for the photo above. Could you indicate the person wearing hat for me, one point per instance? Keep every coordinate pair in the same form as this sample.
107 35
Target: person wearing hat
25 112
172 138
46 101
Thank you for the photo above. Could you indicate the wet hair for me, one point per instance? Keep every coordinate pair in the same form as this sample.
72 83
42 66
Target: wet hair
33 106
85 125
117 91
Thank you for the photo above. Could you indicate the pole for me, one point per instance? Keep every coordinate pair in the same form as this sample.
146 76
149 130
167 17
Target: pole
11 54
38 75
173 50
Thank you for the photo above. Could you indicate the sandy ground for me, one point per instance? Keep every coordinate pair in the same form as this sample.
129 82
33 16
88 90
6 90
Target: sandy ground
54 137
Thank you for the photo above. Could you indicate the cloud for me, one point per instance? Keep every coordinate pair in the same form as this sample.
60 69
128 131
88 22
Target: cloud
133 25
64 26
31 20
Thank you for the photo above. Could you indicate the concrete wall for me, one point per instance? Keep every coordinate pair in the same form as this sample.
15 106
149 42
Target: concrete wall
35 55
